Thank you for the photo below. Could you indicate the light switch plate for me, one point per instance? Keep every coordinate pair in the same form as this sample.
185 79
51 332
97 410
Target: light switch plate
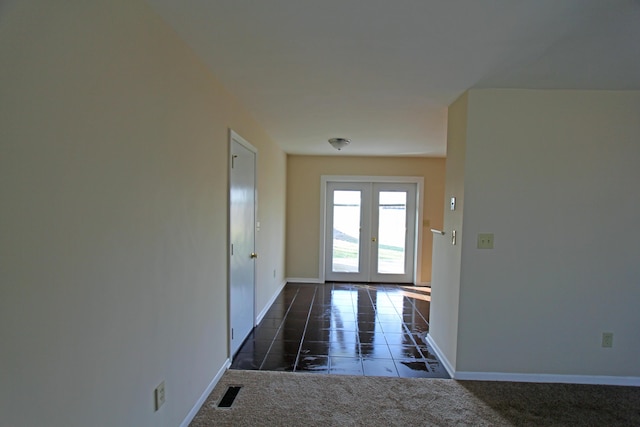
607 339
159 395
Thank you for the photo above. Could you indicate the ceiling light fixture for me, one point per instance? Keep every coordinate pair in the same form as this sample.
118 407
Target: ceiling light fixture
339 143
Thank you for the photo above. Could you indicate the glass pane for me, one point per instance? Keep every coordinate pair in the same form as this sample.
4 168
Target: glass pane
392 229
346 231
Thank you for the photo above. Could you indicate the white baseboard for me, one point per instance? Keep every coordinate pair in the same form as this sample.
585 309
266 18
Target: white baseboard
530 378
304 280
270 303
445 362
194 411
548 378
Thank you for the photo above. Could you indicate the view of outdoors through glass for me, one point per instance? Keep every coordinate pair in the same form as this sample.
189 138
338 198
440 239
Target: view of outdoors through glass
392 219
346 231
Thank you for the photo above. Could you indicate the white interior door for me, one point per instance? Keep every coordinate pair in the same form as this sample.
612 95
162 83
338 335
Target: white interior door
370 232
242 221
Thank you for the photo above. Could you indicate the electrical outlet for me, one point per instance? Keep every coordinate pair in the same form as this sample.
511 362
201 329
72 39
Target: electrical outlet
607 339
485 241
159 395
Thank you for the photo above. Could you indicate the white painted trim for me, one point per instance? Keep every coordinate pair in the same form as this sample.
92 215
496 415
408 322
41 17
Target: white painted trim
548 378
304 280
235 137
417 263
270 303
323 227
363 178
530 378
418 180
207 391
445 362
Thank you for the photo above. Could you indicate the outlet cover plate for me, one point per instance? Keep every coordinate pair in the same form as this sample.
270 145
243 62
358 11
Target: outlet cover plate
485 241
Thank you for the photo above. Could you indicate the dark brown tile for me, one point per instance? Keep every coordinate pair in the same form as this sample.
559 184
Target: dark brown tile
318 348
278 362
350 349
270 323
375 351
264 334
312 363
345 366
377 338
246 364
405 352
379 368
412 369
350 323
342 325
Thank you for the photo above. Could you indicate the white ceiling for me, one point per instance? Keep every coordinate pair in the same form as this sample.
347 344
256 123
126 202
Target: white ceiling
382 72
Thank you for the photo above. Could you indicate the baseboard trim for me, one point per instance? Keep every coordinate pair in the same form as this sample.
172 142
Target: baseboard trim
304 280
530 378
548 378
194 411
423 284
270 303
445 362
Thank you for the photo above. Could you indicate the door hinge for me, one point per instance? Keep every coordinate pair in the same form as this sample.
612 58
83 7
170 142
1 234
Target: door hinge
232 249
231 333
233 161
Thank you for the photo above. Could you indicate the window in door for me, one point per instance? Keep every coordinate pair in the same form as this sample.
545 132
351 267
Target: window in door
370 231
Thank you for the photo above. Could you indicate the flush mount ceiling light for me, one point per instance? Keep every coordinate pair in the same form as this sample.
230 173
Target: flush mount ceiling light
339 143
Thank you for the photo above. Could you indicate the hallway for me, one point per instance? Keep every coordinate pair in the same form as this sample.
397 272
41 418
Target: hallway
344 329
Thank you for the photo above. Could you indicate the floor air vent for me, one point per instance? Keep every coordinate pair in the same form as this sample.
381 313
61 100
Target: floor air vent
229 397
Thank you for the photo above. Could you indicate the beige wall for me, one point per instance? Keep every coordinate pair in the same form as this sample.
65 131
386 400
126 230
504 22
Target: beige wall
445 283
551 174
113 220
303 202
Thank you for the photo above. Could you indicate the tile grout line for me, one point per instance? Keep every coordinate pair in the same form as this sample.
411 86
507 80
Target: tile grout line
354 308
273 340
375 309
408 331
318 299
304 332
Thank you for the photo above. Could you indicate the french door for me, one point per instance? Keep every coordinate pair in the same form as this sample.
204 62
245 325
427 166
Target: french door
370 232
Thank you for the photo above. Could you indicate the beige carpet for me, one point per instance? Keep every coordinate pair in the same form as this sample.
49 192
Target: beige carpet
298 399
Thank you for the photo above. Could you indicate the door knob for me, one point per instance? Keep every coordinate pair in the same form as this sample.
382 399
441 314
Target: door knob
254 255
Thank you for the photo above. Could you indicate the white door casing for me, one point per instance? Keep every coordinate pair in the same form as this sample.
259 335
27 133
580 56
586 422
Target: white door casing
242 221
373 221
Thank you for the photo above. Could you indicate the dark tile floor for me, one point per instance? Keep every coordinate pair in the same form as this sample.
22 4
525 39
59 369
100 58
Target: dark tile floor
348 329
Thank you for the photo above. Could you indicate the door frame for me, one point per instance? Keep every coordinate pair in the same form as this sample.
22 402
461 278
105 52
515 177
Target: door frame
418 180
235 137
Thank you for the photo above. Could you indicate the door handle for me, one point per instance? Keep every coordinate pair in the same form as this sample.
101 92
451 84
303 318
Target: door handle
254 255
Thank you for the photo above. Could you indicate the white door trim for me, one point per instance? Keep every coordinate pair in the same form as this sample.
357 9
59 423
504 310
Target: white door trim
235 137
418 180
